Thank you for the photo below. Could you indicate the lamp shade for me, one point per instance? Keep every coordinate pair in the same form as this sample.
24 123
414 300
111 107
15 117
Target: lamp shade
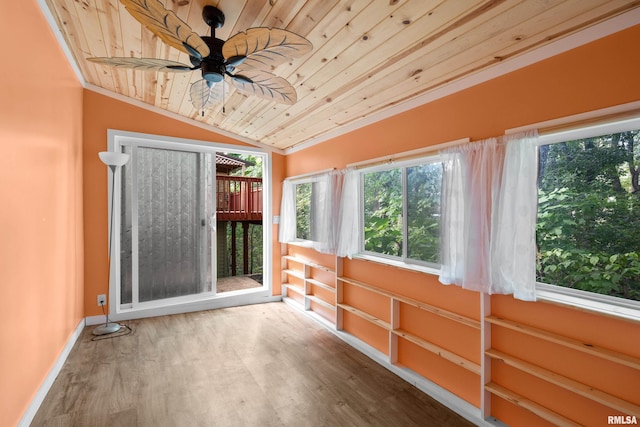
111 158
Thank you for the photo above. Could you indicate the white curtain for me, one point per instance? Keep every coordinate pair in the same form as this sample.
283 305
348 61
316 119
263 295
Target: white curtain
513 240
325 209
468 192
488 211
287 232
350 217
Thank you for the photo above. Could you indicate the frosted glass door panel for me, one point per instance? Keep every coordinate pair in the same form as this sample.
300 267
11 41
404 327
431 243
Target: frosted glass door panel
171 205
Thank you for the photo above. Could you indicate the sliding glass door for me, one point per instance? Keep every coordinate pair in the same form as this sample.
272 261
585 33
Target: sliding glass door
167 225
188 231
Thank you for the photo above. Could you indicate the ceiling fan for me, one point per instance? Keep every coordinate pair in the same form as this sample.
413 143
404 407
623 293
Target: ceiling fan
246 58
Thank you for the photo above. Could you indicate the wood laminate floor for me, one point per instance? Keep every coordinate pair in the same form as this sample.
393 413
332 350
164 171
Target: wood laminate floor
260 365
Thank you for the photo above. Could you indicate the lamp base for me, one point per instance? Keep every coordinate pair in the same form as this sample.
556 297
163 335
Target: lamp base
108 328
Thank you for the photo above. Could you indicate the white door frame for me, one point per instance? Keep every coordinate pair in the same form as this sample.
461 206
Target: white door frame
116 140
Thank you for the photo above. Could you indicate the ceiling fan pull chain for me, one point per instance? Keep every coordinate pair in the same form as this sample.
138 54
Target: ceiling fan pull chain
223 97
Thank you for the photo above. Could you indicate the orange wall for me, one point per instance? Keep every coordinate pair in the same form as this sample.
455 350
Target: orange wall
601 74
41 243
100 114
278 174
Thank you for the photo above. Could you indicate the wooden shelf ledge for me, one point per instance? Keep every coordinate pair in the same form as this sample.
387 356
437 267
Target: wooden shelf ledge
322 302
319 284
294 273
566 383
308 263
588 348
527 404
295 288
366 316
410 301
435 349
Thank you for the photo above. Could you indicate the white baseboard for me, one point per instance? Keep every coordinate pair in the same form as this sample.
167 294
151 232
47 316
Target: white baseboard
31 411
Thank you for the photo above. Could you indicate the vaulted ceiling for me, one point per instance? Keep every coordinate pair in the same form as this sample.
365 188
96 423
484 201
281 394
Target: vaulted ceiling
368 55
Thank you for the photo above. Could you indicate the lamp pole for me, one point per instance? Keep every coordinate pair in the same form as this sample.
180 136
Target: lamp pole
113 160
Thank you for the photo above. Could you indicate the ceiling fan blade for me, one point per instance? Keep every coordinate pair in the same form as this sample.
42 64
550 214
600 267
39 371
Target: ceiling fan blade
204 93
144 64
234 61
166 25
267 86
241 78
265 48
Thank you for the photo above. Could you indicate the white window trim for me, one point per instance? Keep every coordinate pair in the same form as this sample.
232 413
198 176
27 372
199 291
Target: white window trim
576 298
589 301
403 261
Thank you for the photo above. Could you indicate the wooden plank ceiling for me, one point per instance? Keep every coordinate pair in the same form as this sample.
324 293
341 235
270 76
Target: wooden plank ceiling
368 55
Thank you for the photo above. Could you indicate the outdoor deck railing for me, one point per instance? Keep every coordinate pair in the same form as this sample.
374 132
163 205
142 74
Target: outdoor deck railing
238 198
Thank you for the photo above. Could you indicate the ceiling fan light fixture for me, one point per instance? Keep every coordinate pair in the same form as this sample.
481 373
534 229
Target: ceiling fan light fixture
212 72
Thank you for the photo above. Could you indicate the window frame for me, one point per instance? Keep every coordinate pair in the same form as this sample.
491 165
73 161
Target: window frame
577 298
396 261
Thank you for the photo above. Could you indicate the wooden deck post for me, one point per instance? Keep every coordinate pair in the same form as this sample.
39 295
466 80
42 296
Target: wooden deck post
233 248
245 248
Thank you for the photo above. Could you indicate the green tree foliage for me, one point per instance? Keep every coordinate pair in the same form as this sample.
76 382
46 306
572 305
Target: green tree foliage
303 210
383 212
588 229
253 169
423 211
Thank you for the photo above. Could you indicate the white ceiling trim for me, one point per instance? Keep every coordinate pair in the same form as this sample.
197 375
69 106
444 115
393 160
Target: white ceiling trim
588 35
63 44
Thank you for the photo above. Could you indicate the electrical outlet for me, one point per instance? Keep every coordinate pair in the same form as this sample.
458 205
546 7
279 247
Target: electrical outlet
102 300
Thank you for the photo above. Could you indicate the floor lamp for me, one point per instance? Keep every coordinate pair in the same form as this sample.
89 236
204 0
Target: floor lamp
114 160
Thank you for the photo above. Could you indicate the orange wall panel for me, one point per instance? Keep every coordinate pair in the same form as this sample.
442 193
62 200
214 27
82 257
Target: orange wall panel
457 380
368 332
370 302
415 285
324 294
600 374
41 239
308 254
439 330
323 311
324 276
580 409
608 332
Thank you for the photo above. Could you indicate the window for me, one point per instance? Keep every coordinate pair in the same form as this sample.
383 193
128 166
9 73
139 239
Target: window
588 227
401 211
309 210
